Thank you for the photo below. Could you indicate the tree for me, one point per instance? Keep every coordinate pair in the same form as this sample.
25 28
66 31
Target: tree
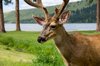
98 13
2 28
6 2
17 16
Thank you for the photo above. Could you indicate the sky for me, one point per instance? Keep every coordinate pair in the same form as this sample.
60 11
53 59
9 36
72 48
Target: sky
23 5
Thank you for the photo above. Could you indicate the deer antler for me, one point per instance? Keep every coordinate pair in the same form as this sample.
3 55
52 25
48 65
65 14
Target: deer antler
62 7
39 5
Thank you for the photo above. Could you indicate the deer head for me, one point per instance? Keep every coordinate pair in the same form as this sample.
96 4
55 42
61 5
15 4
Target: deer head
50 23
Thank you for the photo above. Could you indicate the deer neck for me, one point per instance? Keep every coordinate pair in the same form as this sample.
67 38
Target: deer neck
64 42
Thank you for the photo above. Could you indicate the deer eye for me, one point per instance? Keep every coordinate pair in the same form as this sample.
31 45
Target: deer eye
53 26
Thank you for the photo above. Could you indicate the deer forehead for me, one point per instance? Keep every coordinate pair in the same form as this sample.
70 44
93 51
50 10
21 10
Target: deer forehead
53 23
50 23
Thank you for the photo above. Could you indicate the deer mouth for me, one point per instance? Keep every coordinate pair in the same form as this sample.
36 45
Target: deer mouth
41 39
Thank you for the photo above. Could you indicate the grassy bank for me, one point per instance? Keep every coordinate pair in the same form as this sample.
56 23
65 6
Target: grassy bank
17 47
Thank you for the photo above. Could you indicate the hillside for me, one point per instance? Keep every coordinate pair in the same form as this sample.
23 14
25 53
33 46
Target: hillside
80 11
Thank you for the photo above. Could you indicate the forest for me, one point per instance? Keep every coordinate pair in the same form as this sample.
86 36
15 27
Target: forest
79 14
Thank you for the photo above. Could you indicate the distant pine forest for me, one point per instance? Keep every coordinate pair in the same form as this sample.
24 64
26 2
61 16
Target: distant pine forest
81 12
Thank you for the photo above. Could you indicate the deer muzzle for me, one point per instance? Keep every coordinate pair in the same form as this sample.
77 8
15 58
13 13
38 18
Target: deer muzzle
41 39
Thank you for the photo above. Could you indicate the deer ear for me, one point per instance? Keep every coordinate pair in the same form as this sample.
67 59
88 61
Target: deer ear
39 20
64 17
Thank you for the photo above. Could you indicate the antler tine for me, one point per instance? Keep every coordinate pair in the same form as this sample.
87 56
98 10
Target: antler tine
39 5
62 7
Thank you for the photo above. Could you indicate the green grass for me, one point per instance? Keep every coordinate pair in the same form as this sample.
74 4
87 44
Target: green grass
14 58
22 49
10 63
24 45
89 32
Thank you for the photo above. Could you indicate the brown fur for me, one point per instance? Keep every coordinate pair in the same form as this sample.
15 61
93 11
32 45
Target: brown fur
78 49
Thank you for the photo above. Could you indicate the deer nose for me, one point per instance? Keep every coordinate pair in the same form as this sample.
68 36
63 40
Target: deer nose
41 39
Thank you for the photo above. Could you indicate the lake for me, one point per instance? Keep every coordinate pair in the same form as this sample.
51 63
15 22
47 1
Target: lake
68 27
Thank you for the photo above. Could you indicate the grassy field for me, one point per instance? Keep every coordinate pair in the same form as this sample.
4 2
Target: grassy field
22 49
89 32
14 58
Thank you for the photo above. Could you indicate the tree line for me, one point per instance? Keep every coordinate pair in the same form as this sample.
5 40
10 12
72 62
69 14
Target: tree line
84 15
88 14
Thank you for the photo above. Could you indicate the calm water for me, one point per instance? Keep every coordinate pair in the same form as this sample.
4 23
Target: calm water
68 27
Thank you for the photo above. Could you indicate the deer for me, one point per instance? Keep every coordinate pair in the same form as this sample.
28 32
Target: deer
76 49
